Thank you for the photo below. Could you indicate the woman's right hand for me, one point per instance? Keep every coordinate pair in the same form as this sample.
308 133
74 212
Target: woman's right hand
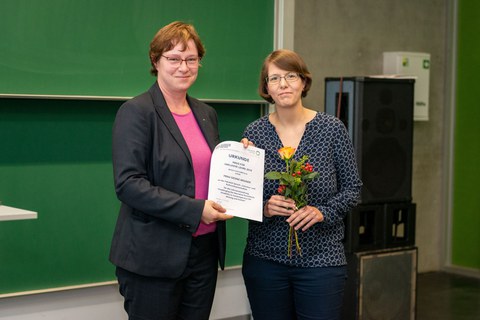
279 206
213 211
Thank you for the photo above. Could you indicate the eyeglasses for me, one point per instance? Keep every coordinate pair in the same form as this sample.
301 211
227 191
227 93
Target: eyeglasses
177 62
276 78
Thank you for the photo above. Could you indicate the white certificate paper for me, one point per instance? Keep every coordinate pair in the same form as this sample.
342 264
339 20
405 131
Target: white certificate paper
236 179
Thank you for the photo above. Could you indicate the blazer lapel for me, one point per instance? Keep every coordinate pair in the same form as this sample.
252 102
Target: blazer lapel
167 118
204 123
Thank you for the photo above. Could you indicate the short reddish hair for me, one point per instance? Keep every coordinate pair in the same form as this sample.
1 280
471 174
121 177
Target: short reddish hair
171 35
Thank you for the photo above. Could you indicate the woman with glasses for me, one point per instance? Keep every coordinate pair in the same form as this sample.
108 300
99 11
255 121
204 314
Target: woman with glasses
300 277
169 239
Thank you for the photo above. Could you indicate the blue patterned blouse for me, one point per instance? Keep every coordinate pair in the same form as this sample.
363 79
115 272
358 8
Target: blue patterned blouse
334 192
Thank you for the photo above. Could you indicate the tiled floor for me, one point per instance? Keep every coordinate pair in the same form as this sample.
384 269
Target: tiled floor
445 296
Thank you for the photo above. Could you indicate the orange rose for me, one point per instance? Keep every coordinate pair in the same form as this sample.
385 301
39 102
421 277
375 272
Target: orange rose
286 152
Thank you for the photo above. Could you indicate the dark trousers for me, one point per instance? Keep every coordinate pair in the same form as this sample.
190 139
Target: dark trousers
189 297
282 292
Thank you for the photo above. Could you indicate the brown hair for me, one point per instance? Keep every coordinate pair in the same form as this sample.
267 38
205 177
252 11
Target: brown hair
169 36
287 60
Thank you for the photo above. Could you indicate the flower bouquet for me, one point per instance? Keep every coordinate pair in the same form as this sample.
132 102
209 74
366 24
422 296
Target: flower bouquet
292 184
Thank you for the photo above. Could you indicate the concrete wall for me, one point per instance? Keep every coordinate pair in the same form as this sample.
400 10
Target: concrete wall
348 38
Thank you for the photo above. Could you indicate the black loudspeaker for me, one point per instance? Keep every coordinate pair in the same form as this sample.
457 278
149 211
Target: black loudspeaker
365 228
381 285
399 224
380 226
378 113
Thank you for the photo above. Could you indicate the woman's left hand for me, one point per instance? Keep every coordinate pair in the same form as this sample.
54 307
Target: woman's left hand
247 143
305 218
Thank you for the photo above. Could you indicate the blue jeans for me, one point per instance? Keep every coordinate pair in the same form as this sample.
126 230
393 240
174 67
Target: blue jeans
282 292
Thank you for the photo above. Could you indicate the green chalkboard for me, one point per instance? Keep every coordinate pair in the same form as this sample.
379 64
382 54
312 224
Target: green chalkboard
55 158
100 47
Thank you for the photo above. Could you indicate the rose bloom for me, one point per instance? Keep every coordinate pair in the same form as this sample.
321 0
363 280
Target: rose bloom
286 152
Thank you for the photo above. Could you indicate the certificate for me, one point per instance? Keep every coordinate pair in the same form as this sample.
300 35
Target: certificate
236 179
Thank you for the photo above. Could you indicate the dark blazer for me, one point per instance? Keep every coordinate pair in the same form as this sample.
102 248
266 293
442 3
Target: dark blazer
154 180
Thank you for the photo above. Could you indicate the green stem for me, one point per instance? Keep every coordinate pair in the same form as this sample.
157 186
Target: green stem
290 240
299 250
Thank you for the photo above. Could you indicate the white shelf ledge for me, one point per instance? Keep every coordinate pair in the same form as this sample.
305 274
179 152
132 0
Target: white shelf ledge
10 213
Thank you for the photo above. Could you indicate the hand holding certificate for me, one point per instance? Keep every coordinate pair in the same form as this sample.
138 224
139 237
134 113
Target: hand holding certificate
236 179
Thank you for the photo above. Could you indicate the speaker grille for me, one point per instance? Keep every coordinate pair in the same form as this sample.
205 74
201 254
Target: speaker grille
384 167
378 114
381 285
386 291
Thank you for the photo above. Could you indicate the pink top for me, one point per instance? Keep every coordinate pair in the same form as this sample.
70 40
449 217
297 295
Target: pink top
201 154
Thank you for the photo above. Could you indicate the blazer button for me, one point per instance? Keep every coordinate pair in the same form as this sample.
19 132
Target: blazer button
184 226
